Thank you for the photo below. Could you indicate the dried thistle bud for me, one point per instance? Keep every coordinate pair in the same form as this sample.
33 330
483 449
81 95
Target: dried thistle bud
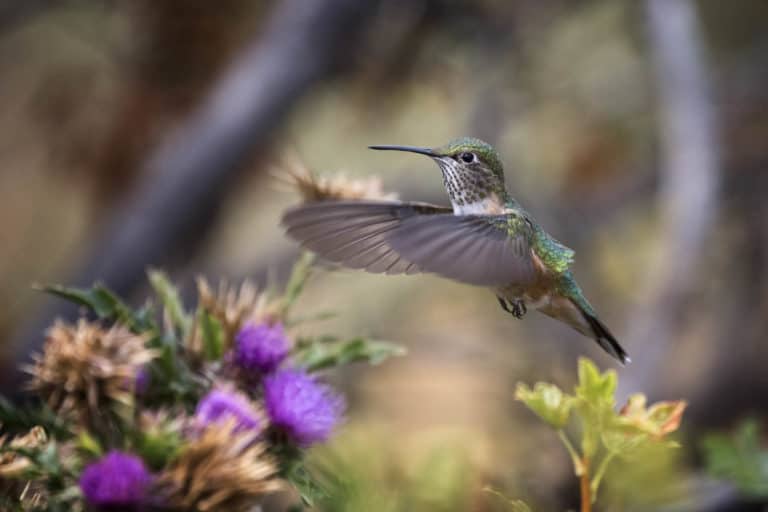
13 464
84 367
311 187
223 468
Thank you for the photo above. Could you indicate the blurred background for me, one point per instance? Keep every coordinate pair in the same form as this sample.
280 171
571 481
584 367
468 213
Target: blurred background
147 133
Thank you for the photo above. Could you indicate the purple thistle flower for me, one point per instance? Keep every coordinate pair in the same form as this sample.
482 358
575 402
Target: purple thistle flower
261 347
302 407
219 405
116 479
142 381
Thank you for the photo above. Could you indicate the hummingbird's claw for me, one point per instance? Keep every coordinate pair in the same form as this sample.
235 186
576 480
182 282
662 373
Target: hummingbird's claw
518 309
515 307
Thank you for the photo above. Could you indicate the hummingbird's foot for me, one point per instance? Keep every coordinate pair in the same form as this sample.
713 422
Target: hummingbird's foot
515 307
518 309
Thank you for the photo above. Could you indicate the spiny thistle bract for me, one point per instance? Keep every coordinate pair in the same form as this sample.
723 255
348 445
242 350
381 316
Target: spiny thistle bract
164 408
223 468
311 187
84 367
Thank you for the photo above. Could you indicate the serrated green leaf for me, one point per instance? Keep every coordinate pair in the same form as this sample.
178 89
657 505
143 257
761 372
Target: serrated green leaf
547 401
327 354
169 297
594 403
105 304
594 387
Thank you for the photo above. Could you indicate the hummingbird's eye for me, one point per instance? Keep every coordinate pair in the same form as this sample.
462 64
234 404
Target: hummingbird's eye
468 157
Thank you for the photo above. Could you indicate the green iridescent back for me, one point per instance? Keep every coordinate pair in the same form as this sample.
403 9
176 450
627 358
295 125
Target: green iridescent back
556 256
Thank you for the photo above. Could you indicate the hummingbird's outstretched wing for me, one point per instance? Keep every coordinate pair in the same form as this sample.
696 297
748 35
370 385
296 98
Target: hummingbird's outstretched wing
396 237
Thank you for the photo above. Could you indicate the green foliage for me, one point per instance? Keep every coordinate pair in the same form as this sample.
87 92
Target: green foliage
306 483
212 334
605 432
21 418
548 402
328 352
171 301
511 505
739 458
650 479
299 276
362 471
106 305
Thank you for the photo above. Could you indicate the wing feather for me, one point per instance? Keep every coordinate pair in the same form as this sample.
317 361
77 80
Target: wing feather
404 238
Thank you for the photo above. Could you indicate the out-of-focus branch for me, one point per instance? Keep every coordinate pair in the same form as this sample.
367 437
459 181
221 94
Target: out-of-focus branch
186 179
13 12
688 183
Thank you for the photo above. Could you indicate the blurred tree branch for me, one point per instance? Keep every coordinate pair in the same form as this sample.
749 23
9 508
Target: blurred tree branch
185 180
13 12
688 184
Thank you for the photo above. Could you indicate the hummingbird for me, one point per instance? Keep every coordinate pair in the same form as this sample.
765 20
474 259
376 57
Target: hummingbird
484 239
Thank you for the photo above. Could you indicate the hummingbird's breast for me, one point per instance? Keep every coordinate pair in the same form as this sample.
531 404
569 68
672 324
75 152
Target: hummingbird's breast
471 193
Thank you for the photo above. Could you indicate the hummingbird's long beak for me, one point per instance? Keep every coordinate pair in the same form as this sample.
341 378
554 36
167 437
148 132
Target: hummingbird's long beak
410 149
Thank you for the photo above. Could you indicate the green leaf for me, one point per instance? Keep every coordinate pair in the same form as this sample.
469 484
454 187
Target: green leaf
158 447
299 276
308 488
512 504
658 420
594 387
594 403
319 355
19 419
622 438
105 304
547 401
212 334
170 299
89 444
739 458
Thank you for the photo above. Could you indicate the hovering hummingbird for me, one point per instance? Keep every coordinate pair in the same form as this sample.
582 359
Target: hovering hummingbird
486 239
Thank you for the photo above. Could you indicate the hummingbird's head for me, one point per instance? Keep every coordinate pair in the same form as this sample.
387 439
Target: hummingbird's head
472 173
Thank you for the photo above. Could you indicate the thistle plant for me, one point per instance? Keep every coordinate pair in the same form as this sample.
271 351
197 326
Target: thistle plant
163 407
604 432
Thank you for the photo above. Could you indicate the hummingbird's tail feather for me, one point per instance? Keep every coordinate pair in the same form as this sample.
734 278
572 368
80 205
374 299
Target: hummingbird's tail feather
571 307
604 338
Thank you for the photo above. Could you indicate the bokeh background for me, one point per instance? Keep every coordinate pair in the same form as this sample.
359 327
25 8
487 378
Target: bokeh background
147 133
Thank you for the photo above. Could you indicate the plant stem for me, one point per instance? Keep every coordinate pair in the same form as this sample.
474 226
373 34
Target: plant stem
600 472
581 468
575 458
584 485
